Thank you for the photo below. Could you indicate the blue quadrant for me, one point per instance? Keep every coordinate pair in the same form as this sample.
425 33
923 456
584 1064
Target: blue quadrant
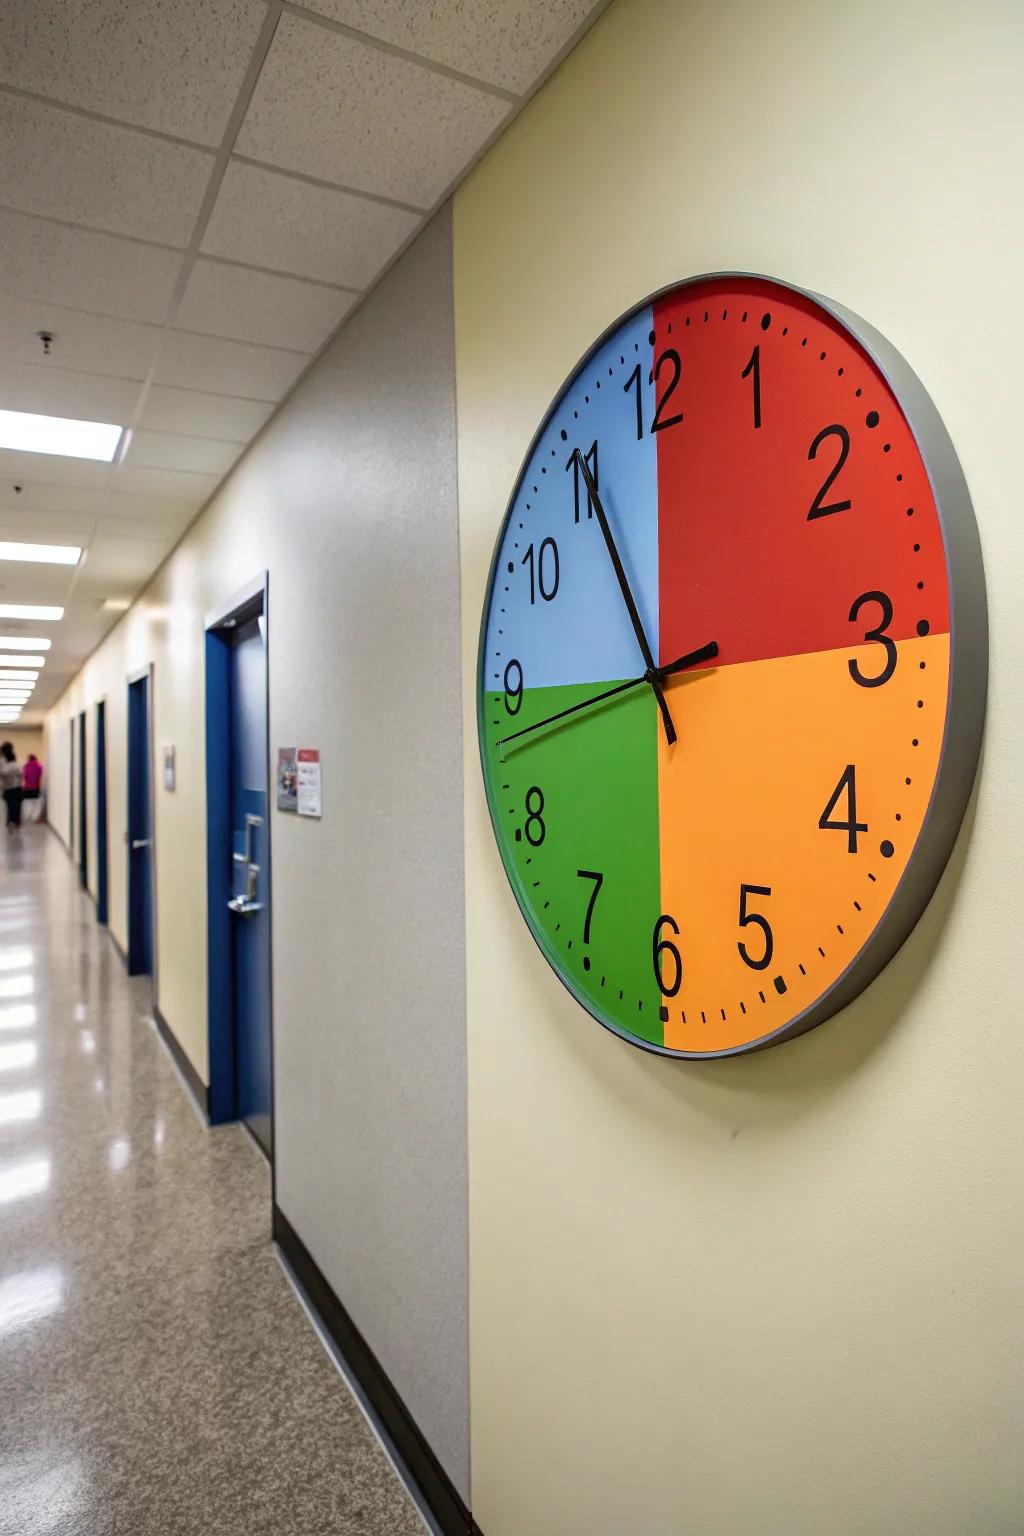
583 633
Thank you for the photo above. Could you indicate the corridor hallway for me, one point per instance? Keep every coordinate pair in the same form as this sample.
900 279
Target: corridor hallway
158 1376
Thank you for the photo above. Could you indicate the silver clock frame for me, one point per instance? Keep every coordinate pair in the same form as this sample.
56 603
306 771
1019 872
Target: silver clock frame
964 722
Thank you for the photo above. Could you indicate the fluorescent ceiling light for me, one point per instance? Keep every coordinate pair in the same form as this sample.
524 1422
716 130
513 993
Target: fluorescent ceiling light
42 554
17 960
29 610
29 1176
24 643
23 1053
26 1105
116 604
17 674
19 1016
26 660
26 433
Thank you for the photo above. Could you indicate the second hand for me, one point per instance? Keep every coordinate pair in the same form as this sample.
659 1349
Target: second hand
691 659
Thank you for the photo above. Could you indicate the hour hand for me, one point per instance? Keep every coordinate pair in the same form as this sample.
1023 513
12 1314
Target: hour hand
691 659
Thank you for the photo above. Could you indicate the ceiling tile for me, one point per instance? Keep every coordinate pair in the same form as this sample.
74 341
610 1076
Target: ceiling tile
43 496
167 482
175 66
329 106
83 172
508 42
227 367
25 469
114 561
89 343
258 306
45 527
274 221
138 510
20 583
199 415
85 270
166 450
57 392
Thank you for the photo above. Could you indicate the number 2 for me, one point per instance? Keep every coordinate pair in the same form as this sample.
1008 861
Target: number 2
818 507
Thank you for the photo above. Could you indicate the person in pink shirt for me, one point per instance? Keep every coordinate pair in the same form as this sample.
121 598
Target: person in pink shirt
31 781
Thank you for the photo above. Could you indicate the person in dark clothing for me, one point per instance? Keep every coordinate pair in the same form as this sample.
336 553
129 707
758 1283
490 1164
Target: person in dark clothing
10 782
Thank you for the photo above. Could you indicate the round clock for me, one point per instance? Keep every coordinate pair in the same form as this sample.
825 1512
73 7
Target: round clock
732 667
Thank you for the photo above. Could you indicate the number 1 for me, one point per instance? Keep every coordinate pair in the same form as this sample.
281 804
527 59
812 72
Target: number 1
754 367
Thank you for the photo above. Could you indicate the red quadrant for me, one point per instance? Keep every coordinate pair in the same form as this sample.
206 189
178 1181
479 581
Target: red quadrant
739 560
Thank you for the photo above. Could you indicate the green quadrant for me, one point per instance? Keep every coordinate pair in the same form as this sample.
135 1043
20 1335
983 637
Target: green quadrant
598 774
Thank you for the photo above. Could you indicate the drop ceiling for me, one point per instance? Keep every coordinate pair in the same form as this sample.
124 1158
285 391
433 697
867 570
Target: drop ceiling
193 196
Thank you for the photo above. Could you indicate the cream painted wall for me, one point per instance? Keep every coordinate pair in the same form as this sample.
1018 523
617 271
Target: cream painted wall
781 1295
348 500
24 741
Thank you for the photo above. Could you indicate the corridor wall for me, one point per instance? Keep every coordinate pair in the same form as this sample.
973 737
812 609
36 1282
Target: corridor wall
348 500
779 1295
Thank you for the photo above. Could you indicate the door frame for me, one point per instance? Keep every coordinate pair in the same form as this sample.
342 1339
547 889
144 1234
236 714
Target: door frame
249 601
141 674
83 801
102 902
71 786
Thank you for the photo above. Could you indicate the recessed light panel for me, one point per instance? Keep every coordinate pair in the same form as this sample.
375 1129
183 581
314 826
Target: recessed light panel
24 643
30 611
26 433
14 660
42 554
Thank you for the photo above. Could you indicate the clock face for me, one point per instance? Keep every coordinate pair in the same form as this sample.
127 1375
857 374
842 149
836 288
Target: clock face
716 688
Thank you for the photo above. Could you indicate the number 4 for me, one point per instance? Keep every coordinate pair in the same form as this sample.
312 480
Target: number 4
847 782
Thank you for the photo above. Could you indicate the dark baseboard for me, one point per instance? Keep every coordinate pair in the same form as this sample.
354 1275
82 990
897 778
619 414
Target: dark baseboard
435 1486
193 1081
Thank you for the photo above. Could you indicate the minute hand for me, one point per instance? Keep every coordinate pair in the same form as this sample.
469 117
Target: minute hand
634 615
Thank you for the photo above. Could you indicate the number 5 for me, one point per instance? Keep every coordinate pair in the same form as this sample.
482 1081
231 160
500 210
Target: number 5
747 918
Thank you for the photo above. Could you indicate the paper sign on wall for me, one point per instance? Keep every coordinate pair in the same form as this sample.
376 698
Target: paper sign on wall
287 779
168 767
309 783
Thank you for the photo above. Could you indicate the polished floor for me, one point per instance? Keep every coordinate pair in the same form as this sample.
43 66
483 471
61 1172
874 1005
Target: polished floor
158 1376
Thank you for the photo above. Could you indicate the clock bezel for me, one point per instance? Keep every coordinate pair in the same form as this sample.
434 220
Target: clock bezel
964 721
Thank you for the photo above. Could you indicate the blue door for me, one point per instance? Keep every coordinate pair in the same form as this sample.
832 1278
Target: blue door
101 812
83 813
140 832
249 903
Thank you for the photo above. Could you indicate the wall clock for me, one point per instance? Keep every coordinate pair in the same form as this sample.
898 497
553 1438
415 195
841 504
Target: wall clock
732 667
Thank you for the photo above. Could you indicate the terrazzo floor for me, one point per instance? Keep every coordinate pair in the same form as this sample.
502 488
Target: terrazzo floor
158 1376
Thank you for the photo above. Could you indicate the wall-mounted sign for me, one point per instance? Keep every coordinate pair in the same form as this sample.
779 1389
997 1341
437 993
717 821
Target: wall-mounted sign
168 767
287 779
732 667
309 782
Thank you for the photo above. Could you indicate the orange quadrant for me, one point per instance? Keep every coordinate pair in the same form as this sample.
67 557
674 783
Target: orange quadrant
763 748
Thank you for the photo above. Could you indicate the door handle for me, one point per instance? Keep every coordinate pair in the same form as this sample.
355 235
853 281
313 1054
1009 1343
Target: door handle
141 842
251 821
246 905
